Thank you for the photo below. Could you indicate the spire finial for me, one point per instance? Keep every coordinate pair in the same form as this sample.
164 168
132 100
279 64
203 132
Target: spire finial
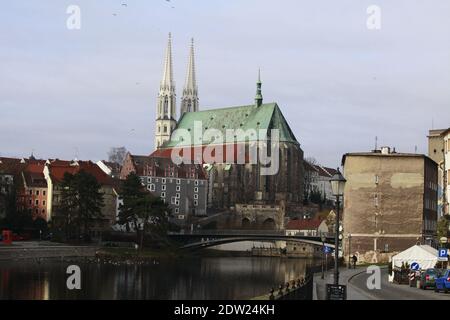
259 97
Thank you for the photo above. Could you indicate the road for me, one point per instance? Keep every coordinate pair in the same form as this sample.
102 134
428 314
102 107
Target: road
389 291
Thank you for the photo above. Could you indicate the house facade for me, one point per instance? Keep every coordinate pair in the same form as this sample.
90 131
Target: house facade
390 202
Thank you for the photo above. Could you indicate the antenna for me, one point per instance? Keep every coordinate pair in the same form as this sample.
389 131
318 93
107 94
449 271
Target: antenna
76 153
415 149
376 142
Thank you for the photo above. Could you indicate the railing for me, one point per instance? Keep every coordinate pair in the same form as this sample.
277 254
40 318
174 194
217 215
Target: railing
244 232
300 289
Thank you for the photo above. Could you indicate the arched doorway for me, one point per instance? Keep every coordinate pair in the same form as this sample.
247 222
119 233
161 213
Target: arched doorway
269 224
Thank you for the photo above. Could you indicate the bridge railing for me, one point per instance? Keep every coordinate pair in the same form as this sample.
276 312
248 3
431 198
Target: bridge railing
246 233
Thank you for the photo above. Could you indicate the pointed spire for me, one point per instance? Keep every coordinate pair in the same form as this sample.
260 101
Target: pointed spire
167 81
189 101
259 97
191 83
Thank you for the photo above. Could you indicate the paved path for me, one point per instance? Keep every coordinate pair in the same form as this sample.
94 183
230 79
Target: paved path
356 281
390 291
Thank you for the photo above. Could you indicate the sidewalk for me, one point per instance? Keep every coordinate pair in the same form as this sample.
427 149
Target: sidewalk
345 275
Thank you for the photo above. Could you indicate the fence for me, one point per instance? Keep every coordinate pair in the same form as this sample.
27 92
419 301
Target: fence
301 289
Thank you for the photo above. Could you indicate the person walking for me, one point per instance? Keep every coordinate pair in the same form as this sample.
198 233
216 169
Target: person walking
354 260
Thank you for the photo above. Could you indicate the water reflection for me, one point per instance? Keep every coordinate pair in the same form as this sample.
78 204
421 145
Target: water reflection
206 278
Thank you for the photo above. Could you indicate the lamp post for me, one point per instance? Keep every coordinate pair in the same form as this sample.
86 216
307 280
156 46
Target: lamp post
349 250
323 253
337 186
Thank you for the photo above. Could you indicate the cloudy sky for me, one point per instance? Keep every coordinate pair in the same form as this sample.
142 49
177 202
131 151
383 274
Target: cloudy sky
67 93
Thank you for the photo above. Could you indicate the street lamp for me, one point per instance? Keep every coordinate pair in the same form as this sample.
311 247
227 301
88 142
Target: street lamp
323 238
337 187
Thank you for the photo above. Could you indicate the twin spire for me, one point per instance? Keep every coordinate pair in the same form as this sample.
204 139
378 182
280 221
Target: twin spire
189 101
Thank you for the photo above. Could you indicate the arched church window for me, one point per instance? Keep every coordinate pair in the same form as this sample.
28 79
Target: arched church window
166 106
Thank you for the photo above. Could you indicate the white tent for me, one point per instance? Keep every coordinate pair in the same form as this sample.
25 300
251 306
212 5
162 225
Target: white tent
424 255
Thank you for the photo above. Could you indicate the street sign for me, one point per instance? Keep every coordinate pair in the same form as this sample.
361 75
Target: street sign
415 266
443 254
336 292
326 249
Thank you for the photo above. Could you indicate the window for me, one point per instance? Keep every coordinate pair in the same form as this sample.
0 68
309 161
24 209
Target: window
177 196
37 192
165 129
181 217
43 211
376 200
31 192
163 194
151 187
177 210
177 202
149 180
196 182
164 180
195 202
178 181
163 187
36 202
196 189
43 202
376 179
178 188
44 193
30 202
195 196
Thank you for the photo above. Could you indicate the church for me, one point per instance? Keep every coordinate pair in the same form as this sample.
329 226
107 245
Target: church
250 198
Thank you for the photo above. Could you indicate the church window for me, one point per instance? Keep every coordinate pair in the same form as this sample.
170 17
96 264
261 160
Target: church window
166 106
165 129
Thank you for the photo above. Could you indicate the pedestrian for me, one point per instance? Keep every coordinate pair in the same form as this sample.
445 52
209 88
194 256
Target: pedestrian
354 260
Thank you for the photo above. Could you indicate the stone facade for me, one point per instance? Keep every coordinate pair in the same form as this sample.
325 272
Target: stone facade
390 201
262 217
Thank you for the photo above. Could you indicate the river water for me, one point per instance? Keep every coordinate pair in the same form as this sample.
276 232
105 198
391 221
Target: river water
184 279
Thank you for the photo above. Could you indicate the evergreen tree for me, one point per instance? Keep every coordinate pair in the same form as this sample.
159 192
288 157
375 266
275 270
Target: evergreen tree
142 211
81 201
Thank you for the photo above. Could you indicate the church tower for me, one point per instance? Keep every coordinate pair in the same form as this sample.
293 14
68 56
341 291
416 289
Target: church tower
189 101
166 105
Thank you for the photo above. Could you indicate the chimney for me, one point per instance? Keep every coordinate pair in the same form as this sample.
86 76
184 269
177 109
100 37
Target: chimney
385 150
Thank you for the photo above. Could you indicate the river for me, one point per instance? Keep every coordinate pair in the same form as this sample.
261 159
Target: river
177 279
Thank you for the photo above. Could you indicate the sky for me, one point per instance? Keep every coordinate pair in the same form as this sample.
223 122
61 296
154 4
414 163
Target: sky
75 93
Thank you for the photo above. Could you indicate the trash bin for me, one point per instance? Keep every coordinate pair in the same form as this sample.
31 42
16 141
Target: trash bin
7 237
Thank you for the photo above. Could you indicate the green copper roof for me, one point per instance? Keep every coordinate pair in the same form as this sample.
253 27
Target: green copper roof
267 116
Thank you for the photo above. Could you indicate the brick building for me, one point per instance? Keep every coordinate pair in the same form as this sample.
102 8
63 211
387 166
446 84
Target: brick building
390 202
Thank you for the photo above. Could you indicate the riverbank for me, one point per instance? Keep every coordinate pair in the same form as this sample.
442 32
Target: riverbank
45 250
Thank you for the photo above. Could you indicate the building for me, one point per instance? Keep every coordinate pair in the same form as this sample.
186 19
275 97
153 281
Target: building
183 187
54 171
446 172
317 178
390 202
10 169
438 151
307 227
237 173
33 192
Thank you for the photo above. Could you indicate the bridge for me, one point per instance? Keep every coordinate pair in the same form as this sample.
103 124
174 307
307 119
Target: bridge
209 238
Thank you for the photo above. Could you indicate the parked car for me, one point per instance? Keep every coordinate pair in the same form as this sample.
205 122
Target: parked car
443 282
428 278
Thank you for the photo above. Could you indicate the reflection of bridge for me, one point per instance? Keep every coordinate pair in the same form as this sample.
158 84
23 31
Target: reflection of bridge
210 238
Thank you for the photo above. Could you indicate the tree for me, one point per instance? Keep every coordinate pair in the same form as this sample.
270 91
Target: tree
81 201
141 210
442 228
131 191
117 154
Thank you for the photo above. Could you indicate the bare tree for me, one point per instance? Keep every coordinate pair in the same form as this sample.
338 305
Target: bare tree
117 154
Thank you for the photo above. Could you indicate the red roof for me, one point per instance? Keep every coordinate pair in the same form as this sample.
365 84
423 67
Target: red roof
59 167
304 224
